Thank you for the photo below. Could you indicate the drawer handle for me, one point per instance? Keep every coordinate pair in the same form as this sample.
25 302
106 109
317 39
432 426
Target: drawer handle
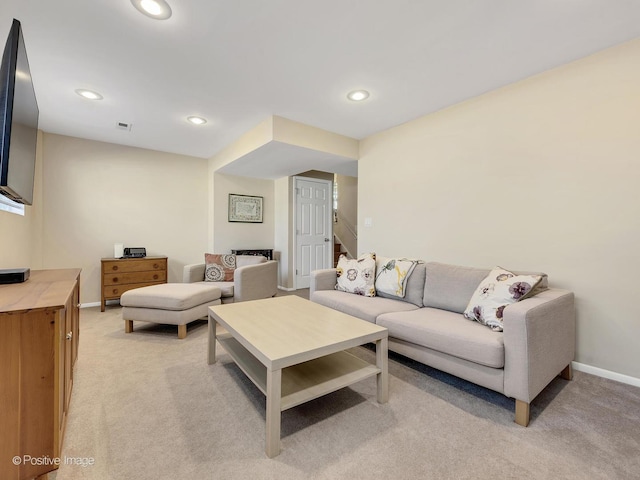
115 279
69 335
115 290
155 277
115 268
155 265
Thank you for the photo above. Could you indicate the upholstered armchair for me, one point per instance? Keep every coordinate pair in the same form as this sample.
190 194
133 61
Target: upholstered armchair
254 278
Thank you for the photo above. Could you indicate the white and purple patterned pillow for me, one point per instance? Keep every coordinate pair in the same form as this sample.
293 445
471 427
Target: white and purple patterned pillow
357 276
498 290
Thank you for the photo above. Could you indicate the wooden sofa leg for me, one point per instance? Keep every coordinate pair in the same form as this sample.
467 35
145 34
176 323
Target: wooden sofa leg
128 326
522 413
567 373
182 331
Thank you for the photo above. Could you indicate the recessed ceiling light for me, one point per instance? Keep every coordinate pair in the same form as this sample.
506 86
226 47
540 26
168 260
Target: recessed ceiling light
89 94
197 120
358 95
158 9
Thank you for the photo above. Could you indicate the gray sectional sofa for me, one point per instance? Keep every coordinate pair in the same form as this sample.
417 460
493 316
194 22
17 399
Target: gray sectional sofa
427 325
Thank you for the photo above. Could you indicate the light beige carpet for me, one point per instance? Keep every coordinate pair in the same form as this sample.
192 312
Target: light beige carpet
146 405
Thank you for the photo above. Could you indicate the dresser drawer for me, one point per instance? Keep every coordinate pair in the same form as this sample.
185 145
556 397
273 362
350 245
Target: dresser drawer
112 292
135 277
134 265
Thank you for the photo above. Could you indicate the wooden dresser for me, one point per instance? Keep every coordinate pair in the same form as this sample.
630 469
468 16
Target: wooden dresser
122 274
39 330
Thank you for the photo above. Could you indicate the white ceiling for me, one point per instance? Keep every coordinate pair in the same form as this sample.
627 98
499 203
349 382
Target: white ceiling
236 62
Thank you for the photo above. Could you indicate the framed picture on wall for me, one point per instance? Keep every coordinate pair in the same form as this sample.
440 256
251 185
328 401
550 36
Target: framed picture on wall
245 208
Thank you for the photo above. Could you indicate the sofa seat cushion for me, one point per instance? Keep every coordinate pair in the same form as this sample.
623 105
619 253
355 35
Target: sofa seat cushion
226 288
366 308
447 332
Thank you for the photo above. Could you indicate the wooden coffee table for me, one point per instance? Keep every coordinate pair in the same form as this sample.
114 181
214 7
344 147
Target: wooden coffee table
293 351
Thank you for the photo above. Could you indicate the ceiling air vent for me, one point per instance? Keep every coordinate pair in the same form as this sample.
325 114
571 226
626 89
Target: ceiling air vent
124 126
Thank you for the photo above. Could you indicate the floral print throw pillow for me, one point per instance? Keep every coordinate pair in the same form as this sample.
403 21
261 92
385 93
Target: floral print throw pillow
498 290
219 268
392 275
357 276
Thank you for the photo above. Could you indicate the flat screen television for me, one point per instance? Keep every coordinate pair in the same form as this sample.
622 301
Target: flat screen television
18 121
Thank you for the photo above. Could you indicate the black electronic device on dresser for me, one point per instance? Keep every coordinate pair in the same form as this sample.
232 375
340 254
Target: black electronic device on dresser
14 275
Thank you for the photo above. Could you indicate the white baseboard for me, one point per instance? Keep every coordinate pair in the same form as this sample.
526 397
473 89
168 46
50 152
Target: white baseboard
97 304
286 289
601 372
91 304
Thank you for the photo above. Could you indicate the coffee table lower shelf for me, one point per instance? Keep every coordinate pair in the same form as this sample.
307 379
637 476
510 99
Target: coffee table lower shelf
304 381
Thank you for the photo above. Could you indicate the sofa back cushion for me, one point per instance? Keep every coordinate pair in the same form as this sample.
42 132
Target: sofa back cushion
450 287
414 289
244 260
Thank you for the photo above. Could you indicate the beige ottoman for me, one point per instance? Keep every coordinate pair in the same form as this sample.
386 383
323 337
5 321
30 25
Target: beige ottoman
168 303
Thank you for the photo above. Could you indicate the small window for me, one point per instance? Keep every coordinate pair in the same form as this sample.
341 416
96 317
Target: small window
10 206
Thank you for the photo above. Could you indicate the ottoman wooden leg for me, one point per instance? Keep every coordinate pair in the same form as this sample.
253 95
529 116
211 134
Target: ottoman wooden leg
128 326
182 331
567 373
522 413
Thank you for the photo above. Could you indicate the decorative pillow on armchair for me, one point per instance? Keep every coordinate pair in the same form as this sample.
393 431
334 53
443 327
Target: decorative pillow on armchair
219 268
357 276
498 290
392 275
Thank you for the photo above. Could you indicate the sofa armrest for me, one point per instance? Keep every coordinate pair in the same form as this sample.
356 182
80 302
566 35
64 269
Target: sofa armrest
539 342
253 282
193 273
324 279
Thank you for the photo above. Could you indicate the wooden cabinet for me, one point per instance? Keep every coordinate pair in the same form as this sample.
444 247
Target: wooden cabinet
39 333
122 274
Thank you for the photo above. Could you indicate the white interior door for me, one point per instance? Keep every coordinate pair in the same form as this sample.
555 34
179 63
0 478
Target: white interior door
313 227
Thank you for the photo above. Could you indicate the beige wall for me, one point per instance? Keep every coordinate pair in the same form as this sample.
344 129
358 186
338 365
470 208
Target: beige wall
16 235
20 236
96 194
282 232
231 235
539 175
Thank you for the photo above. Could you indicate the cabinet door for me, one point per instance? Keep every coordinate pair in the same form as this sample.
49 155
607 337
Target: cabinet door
68 351
62 377
37 388
75 326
